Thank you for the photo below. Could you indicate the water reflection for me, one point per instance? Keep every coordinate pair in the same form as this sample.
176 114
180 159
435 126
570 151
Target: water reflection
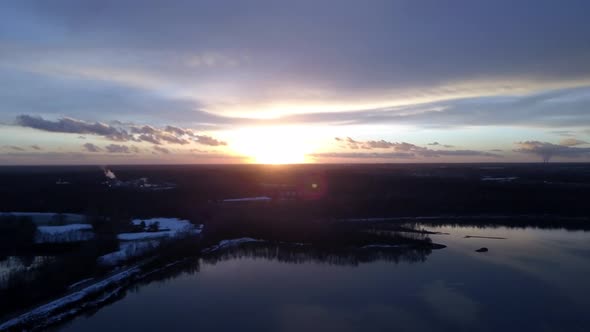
535 280
299 254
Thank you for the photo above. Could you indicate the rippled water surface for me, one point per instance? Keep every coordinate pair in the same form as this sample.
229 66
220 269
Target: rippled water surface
534 280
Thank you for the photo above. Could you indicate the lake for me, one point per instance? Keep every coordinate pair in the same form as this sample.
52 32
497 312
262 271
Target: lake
534 280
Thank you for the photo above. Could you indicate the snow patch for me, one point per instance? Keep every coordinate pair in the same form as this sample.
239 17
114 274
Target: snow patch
137 244
169 227
76 284
127 250
45 311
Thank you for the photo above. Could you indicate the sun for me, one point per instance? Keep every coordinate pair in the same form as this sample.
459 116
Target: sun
272 155
277 145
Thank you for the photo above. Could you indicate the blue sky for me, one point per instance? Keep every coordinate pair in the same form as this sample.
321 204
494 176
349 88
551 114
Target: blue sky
104 82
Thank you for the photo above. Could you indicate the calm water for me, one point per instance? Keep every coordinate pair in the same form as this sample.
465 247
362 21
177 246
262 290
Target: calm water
535 280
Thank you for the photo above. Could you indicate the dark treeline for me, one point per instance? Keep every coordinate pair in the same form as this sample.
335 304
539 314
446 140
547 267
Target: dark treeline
298 254
16 233
348 190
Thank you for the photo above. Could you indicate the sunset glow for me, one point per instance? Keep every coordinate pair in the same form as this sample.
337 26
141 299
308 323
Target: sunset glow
274 145
194 83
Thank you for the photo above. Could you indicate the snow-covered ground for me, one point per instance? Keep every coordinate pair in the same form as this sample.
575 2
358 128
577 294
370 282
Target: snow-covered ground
224 244
46 310
137 244
128 250
44 218
169 227
65 233
248 199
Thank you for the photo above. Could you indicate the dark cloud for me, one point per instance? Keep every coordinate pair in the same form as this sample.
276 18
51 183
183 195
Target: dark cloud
168 135
36 147
208 140
15 148
547 150
404 149
69 125
161 149
91 147
149 138
178 131
116 148
155 136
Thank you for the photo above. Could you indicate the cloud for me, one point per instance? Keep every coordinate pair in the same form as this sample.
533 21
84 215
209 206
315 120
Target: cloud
565 133
554 108
366 155
438 144
69 125
119 131
36 147
116 148
208 140
161 149
404 150
369 145
155 136
156 62
572 142
178 131
149 138
547 150
91 147
551 46
15 148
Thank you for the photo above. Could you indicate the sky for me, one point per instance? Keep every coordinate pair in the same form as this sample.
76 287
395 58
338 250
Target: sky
158 82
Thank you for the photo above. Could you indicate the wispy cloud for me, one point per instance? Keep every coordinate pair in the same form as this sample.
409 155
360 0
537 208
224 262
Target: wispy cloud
91 147
547 150
572 142
400 150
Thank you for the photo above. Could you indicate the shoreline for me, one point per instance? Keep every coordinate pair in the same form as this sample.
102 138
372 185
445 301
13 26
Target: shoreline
101 291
